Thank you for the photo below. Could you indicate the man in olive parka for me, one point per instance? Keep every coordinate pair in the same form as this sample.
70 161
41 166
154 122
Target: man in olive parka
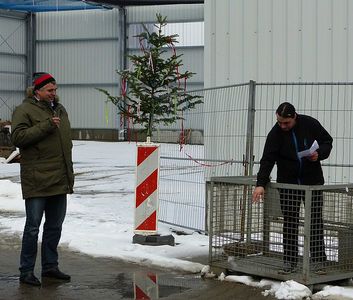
41 130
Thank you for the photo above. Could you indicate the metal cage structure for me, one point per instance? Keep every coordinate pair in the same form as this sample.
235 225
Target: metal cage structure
308 227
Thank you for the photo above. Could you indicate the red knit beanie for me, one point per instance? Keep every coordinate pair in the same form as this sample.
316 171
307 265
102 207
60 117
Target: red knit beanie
41 79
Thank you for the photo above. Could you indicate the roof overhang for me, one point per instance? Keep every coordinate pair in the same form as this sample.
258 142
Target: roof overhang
60 5
46 5
143 2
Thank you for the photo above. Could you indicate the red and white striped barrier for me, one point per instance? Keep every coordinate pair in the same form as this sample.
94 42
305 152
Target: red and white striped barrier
146 192
146 286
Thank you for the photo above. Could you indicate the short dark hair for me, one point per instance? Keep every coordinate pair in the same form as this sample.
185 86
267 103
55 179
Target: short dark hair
286 110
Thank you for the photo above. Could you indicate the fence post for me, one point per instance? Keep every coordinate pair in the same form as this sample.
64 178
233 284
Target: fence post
307 232
248 167
249 155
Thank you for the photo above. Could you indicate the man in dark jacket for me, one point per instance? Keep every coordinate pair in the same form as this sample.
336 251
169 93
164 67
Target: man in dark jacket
292 134
41 130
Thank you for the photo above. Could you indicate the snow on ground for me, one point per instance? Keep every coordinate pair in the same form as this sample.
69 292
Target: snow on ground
100 218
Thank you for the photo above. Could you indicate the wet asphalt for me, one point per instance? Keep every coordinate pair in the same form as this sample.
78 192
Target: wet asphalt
97 278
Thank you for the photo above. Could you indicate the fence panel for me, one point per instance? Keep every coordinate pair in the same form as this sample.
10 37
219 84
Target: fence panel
330 103
184 167
217 145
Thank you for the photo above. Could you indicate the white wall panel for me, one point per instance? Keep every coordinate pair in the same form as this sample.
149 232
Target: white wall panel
8 102
189 33
264 32
78 24
81 50
92 113
184 20
210 34
12 61
222 38
250 39
12 82
278 40
79 62
174 13
13 35
324 39
294 37
349 33
278 11
236 37
339 40
309 40
187 22
192 59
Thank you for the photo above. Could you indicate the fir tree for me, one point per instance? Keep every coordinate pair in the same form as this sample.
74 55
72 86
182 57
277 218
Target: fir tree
153 90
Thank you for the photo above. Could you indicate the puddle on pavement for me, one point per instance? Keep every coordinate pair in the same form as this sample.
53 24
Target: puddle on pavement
149 285
93 278
138 285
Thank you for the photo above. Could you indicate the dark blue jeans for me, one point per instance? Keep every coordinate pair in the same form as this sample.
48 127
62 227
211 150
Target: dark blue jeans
54 208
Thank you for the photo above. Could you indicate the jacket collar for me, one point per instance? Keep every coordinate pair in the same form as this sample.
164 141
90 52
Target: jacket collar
41 104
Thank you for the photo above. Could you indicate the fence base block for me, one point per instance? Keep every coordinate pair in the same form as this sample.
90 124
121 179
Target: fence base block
153 240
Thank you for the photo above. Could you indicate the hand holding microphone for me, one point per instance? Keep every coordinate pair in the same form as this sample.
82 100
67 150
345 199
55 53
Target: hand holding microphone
56 121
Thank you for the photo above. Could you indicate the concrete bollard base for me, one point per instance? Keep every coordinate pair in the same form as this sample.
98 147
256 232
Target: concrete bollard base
153 240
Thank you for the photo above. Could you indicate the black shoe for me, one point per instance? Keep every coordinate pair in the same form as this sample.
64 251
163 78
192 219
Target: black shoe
57 274
29 278
288 268
318 268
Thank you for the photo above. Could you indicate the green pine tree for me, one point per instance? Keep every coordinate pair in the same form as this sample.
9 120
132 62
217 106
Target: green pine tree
155 87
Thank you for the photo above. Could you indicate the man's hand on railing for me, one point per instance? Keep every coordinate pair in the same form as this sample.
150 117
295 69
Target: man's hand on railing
258 194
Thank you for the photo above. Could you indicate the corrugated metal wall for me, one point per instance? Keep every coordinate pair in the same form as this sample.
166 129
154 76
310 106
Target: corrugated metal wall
176 13
275 40
185 20
82 50
12 61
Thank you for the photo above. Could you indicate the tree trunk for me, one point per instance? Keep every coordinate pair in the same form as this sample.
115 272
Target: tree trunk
150 126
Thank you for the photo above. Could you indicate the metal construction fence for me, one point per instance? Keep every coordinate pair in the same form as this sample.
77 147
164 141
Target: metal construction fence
297 232
225 136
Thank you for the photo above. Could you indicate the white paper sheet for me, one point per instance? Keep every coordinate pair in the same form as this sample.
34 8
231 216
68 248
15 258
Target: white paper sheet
310 151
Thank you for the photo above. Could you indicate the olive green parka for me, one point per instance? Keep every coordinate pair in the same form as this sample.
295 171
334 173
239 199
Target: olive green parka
46 150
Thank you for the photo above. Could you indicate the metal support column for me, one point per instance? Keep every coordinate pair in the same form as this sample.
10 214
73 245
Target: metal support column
30 47
249 163
122 55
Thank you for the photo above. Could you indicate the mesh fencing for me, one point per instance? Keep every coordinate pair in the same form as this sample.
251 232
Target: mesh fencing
226 134
186 164
302 233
